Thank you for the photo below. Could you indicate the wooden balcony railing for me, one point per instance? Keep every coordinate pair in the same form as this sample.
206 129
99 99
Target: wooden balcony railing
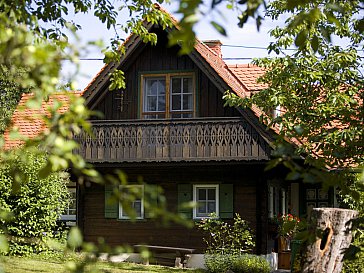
217 139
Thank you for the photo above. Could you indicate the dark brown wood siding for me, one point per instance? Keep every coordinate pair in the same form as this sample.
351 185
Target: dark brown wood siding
159 58
247 181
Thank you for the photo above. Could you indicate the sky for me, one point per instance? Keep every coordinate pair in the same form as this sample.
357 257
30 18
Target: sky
245 38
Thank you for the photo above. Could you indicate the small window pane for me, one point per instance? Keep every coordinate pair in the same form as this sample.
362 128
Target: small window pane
187 115
201 207
201 194
151 104
187 102
161 104
176 115
211 194
187 85
154 116
153 88
176 102
176 85
161 88
211 207
137 206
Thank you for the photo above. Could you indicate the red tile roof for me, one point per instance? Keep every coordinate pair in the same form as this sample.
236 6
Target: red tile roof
248 75
29 122
217 63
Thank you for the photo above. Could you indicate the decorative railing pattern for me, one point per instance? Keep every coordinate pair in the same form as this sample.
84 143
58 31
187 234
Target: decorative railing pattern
218 139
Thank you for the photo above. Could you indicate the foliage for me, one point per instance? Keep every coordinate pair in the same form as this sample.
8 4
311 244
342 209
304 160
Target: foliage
10 95
224 238
305 15
35 206
319 87
217 263
354 261
287 225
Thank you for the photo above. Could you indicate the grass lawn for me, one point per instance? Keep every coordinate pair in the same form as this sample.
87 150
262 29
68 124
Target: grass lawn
41 264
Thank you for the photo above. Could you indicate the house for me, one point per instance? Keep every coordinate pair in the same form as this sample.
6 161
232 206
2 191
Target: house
170 127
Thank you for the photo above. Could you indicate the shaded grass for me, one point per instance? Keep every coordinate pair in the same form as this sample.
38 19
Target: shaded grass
41 264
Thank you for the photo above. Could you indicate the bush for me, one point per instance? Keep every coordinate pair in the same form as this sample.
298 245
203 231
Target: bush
224 238
245 263
356 263
35 203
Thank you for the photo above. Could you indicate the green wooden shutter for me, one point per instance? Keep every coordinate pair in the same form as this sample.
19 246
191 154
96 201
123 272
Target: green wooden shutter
226 200
152 195
184 196
111 205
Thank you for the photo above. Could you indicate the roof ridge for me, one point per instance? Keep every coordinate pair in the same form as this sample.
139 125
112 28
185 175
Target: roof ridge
247 65
202 42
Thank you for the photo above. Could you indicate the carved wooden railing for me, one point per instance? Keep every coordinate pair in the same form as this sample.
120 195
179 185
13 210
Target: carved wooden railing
218 139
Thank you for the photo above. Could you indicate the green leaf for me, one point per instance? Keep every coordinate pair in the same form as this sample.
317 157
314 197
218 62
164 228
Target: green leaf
4 245
315 43
301 38
273 163
309 178
219 28
360 25
293 176
75 238
214 3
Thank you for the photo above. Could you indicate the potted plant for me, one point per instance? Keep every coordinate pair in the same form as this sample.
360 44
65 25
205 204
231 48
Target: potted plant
287 227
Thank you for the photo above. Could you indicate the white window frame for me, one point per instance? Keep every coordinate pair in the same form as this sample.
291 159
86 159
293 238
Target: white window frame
70 217
124 217
205 186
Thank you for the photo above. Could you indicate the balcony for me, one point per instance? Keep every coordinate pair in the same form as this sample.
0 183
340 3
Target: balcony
207 139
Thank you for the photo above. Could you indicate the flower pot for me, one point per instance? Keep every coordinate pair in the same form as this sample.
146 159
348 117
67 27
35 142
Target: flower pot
284 244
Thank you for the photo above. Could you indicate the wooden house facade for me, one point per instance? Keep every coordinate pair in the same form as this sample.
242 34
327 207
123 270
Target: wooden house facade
170 127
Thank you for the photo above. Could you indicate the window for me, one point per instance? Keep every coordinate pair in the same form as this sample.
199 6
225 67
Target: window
168 96
207 200
69 213
133 194
277 201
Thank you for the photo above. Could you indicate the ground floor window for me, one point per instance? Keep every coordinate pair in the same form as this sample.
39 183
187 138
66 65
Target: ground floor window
133 200
69 213
207 199
278 201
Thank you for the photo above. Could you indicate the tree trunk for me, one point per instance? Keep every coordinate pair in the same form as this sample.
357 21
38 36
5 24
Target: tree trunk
332 236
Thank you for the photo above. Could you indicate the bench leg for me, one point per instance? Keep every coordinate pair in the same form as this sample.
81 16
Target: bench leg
178 262
186 257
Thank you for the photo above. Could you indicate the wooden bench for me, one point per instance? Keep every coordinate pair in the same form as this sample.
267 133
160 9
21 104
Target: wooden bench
166 255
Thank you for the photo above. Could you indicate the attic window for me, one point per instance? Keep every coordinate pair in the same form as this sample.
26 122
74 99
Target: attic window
168 96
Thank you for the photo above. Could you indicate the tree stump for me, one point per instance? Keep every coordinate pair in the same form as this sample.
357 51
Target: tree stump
331 228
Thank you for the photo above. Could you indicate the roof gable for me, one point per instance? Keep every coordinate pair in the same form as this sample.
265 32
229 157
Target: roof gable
205 58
